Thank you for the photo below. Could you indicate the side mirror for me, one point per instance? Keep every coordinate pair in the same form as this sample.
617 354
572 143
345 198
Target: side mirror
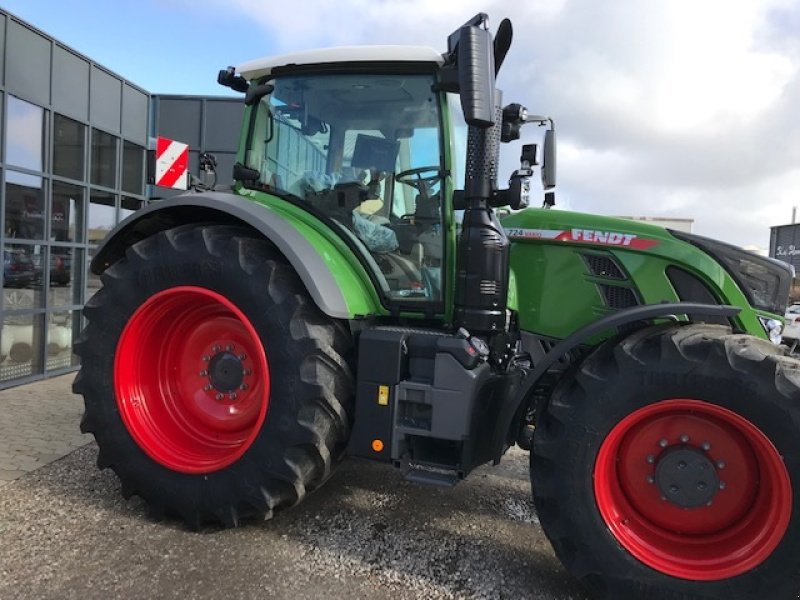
476 76
549 162
229 78
469 68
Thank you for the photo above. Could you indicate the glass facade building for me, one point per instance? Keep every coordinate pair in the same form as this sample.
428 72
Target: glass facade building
73 163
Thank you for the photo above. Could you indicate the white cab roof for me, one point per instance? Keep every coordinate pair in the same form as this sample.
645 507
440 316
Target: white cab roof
263 66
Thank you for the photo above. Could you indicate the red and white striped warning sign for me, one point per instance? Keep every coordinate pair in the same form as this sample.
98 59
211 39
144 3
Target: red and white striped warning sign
172 164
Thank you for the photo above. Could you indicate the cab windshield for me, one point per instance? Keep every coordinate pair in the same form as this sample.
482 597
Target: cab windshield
365 151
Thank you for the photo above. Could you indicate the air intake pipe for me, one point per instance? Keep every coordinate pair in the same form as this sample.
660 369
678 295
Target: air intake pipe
483 248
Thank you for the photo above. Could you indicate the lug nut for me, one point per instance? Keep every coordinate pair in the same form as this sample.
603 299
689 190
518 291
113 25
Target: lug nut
229 347
663 443
207 387
650 459
206 358
705 446
216 349
203 373
232 396
242 356
247 372
722 485
219 396
651 479
721 464
243 386
684 438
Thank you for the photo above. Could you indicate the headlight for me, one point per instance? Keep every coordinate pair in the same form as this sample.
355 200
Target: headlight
774 329
764 281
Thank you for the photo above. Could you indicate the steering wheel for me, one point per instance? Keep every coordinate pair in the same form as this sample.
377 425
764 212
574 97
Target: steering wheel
417 179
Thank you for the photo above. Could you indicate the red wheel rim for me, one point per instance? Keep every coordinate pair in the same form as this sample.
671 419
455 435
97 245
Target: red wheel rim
752 500
191 380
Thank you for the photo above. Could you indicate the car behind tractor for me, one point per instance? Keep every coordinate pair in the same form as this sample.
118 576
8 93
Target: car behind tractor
332 304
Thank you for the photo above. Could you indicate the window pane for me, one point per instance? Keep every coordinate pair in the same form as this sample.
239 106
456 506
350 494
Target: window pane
21 277
20 341
25 135
68 147
104 159
93 283
102 216
66 221
375 172
61 330
132 168
129 206
64 276
24 206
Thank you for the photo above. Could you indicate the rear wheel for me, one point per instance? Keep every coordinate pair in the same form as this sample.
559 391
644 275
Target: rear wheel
213 385
668 465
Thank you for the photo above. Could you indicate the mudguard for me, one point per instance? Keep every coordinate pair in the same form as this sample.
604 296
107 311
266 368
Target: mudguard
307 259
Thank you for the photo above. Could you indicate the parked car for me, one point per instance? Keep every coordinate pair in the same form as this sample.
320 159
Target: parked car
60 267
791 332
18 269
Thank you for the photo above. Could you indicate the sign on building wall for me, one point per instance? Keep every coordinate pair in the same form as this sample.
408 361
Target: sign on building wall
784 244
172 164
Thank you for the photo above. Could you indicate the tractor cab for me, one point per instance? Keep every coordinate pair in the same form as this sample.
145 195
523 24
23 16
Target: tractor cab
360 143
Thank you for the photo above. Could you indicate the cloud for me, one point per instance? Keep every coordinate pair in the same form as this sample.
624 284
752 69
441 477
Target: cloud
663 108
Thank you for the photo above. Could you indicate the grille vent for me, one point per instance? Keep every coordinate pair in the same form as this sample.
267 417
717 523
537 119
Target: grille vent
617 296
603 266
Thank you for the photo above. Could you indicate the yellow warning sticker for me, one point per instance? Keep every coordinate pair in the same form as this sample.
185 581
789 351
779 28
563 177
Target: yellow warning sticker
383 395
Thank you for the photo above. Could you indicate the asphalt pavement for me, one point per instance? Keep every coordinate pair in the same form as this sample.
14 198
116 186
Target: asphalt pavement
66 532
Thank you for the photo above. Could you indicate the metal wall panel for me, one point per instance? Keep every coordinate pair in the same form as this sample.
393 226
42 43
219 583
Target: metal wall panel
27 64
70 84
134 114
106 96
2 47
225 162
223 122
206 124
180 119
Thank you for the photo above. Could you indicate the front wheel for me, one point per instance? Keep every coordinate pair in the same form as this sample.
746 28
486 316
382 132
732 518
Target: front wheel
213 385
668 465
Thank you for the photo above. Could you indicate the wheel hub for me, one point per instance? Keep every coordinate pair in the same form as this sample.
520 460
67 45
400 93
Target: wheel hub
693 489
686 477
226 372
191 379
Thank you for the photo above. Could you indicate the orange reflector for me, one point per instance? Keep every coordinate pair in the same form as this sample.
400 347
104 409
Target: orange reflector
377 445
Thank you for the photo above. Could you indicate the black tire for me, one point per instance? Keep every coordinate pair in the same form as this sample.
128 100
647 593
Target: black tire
585 465
301 436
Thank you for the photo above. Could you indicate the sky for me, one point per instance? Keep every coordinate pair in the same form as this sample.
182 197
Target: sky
663 108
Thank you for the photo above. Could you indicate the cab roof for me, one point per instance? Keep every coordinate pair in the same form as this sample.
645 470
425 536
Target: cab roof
357 54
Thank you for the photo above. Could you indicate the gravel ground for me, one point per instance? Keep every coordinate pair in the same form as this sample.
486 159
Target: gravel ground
66 532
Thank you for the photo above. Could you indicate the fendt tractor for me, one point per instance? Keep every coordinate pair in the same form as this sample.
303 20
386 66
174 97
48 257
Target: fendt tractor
355 293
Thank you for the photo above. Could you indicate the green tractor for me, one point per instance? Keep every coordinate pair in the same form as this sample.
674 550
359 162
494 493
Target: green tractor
356 294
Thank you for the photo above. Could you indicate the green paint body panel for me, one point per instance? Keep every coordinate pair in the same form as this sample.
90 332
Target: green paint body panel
360 295
558 294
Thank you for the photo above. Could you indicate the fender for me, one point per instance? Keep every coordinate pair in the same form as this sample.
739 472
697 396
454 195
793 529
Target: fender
306 259
510 408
